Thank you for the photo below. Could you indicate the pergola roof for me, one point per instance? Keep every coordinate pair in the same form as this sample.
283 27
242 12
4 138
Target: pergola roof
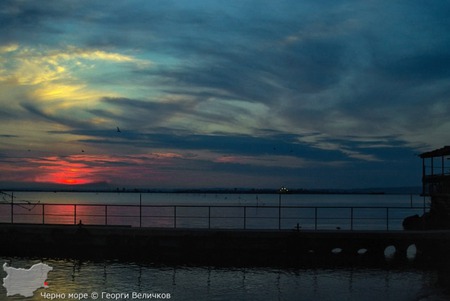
440 152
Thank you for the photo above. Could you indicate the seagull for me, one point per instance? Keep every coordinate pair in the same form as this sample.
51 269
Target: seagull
118 130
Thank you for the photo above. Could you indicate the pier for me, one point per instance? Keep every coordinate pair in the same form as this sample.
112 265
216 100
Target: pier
216 234
217 246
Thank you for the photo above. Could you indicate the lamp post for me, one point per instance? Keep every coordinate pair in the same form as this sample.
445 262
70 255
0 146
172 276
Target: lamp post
280 191
279 210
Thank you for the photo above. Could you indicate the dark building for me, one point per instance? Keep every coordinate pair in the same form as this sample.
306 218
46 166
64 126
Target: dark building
436 185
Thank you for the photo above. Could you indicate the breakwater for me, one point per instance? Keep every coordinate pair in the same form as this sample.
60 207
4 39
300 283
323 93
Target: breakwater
217 246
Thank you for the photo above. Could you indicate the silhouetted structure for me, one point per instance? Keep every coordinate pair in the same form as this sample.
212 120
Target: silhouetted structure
436 184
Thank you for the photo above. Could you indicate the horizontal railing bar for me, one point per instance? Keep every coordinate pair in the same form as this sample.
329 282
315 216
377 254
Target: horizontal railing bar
317 215
213 206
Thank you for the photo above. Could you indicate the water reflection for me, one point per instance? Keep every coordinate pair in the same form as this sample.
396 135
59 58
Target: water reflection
241 283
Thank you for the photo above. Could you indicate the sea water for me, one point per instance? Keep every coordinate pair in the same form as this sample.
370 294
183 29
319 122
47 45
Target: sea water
214 210
174 282
108 279
130 198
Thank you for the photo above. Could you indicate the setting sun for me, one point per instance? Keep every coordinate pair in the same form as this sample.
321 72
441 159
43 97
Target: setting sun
64 171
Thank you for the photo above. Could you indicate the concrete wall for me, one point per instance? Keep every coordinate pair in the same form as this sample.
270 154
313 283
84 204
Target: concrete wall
216 246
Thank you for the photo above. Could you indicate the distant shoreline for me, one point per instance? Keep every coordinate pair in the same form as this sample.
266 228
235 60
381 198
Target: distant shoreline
366 191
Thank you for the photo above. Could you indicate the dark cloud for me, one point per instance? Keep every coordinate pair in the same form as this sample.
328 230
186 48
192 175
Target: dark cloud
141 114
421 68
334 74
31 22
363 84
8 136
69 119
348 149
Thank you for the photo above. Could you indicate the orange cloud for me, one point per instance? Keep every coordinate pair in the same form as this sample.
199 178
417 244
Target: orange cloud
60 171
85 169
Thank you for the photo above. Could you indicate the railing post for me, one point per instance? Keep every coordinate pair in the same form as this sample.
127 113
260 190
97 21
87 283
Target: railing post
74 214
432 166
12 207
279 211
140 210
245 217
351 218
424 204
209 217
106 215
174 216
387 218
43 213
315 218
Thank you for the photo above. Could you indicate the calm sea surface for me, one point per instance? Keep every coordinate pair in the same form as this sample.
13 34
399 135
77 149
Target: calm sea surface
236 283
385 282
222 199
191 210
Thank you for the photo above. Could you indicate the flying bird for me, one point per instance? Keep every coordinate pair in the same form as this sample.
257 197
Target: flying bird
118 130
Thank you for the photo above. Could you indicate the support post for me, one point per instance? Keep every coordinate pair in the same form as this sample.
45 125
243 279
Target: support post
12 207
279 211
387 218
209 217
140 210
351 218
424 204
423 177
315 218
74 214
245 217
175 216
432 166
43 214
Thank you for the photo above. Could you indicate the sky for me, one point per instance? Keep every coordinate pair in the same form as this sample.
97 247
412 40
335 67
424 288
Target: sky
201 94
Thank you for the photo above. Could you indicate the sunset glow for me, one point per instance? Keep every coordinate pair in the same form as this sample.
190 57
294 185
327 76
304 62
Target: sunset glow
210 94
55 170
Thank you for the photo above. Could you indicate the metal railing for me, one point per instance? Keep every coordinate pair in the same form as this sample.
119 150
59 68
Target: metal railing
212 216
